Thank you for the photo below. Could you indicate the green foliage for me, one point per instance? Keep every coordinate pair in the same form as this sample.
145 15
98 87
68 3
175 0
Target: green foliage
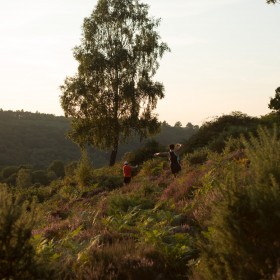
171 134
144 153
274 103
113 95
40 177
242 240
34 138
24 178
263 152
109 182
160 228
45 142
153 167
69 192
178 124
270 119
17 255
124 203
40 193
83 172
219 218
213 134
70 168
8 171
199 156
57 167
108 178
272 1
121 259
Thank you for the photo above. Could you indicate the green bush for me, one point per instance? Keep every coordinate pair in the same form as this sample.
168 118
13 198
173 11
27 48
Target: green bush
8 171
17 255
83 172
153 167
109 182
57 167
40 177
70 168
214 133
24 178
242 240
108 177
199 156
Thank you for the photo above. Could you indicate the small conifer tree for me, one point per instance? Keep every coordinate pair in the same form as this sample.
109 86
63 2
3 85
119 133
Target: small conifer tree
84 170
17 255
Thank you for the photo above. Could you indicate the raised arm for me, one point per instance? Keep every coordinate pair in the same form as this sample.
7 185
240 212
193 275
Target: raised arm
161 154
178 147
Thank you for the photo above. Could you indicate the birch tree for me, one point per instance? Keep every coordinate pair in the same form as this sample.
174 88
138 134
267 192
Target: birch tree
113 94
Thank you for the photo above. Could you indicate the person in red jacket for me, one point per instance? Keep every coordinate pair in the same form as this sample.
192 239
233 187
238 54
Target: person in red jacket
127 172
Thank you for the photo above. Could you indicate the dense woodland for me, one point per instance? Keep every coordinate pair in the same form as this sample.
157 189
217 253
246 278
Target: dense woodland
35 139
38 141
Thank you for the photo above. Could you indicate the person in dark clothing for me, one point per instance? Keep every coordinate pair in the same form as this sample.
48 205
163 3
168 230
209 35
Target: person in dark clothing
174 159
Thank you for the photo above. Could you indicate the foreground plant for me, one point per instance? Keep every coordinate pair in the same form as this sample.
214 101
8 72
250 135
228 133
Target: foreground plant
242 240
17 255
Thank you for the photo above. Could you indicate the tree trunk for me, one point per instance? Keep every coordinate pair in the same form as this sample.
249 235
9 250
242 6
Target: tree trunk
116 121
114 152
113 157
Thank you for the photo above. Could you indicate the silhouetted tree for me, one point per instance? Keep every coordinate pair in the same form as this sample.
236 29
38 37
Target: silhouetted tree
189 125
113 94
178 124
274 103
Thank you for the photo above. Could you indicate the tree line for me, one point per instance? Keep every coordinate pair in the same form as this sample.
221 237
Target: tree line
39 139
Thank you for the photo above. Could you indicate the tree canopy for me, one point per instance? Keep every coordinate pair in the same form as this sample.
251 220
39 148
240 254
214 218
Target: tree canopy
113 95
274 103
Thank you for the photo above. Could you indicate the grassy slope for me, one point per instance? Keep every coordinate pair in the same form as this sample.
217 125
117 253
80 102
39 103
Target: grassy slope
160 227
150 223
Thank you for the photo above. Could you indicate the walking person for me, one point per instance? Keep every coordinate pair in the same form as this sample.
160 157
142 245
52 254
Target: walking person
174 158
127 172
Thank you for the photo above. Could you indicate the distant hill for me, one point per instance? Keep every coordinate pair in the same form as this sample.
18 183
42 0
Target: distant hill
39 139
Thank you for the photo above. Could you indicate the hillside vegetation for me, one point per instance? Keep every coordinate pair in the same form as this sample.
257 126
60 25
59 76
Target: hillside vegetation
38 139
219 219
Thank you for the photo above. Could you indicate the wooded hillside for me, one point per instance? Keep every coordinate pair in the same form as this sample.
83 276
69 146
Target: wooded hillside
38 139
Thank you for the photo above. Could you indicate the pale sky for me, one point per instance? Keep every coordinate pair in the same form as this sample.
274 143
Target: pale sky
225 55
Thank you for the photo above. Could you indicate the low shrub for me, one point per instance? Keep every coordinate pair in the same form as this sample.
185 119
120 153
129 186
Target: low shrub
199 156
122 259
122 203
154 167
